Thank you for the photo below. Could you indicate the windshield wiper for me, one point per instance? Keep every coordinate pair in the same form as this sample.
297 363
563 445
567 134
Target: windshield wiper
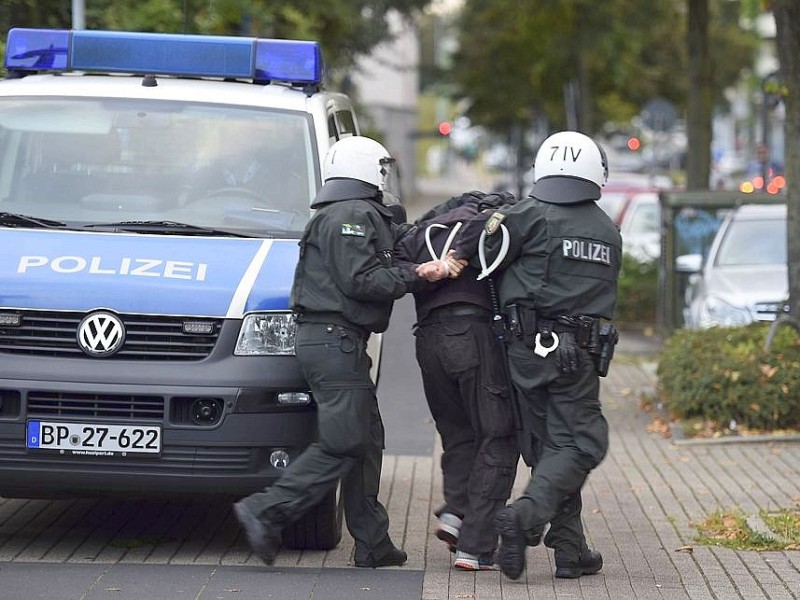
17 220
166 226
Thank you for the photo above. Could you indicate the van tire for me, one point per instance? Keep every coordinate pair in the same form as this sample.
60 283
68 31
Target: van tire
320 528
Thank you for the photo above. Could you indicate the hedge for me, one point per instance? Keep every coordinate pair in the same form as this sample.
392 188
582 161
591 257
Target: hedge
726 374
637 292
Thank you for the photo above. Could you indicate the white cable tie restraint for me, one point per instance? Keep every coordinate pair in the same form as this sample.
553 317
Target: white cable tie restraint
447 243
428 242
488 270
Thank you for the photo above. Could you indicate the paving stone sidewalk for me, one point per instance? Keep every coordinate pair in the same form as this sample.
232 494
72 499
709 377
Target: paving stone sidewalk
639 507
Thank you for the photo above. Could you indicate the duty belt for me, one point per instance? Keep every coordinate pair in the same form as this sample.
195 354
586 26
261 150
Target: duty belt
596 337
524 322
331 318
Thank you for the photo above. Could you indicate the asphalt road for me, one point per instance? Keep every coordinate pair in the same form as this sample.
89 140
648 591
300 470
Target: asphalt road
409 427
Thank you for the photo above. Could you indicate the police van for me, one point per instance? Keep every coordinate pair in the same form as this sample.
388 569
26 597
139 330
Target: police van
153 189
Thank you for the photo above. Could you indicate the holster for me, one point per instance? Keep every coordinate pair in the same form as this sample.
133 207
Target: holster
522 323
603 350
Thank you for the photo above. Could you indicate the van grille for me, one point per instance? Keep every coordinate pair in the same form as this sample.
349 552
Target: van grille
48 404
148 338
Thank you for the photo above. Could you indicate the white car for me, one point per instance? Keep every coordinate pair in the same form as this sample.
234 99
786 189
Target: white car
744 277
640 226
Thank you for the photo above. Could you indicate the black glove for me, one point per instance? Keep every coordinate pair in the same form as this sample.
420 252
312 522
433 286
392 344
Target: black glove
567 357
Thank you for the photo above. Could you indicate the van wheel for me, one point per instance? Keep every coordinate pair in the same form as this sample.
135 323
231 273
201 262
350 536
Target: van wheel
320 528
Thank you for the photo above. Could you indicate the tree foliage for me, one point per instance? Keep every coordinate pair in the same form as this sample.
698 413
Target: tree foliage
517 57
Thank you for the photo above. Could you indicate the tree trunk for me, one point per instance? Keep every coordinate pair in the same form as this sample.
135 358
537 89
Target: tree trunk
787 18
586 123
701 97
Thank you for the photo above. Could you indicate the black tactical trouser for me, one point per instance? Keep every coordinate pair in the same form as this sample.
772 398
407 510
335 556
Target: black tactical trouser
465 385
349 446
565 437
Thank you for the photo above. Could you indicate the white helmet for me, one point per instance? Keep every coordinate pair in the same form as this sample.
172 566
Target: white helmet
574 157
358 157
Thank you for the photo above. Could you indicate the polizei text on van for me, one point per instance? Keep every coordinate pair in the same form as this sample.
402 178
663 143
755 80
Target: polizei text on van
96 265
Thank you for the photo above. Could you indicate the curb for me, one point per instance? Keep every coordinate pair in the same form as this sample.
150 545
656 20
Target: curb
738 439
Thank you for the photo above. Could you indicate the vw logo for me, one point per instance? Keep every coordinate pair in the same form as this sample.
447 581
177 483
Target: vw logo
101 334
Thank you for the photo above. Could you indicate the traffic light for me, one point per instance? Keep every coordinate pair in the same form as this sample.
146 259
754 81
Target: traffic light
444 128
634 143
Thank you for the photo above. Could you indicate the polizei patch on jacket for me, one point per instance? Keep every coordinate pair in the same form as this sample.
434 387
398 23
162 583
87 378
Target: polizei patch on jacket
354 229
586 250
494 222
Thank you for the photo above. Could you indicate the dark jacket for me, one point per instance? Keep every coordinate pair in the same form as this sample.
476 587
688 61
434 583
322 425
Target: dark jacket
563 259
413 247
347 272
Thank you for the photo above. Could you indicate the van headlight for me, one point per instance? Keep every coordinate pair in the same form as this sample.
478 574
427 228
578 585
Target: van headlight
267 334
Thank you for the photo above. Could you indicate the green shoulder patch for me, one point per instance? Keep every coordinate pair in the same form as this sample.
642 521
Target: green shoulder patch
494 222
354 229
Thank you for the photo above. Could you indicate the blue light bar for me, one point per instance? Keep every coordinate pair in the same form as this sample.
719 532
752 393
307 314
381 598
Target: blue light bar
294 61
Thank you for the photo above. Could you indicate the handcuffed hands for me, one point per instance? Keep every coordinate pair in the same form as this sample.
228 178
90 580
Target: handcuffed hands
455 265
433 270
436 270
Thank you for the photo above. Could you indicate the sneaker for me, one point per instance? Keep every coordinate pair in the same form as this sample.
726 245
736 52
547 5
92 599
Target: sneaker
472 562
511 554
393 558
448 528
589 563
264 540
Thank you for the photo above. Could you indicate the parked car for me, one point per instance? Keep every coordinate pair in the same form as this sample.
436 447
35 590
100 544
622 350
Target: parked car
744 277
640 226
614 203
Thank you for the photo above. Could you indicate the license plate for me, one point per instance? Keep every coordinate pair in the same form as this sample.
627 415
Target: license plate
84 439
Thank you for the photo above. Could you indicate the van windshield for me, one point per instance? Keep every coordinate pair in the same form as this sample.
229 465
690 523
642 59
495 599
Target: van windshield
88 161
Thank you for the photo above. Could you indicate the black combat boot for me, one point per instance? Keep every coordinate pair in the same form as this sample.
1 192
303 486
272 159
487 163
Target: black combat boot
394 557
264 538
511 553
589 563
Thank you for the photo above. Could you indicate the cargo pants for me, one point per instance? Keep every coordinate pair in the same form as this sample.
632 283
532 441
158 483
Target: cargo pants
350 441
465 385
565 436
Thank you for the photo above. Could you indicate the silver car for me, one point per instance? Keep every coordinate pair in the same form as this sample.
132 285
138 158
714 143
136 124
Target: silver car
744 277
640 226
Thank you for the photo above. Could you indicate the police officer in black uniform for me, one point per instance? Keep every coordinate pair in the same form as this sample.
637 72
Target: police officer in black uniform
344 288
466 387
558 287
